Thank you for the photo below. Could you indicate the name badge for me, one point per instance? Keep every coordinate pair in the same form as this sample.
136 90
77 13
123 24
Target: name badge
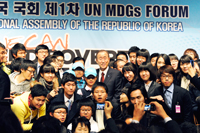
178 109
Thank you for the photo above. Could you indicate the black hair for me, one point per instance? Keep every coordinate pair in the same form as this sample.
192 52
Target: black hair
38 90
138 87
130 67
27 63
173 56
46 124
166 69
144 53
57 105
49 59
78 58
148 67
136 128
41 46
194 51
2 46
111 63
184 59
86 102
46 68
68 77
133 49
188 127
16 48
81 120
166 59
97 84
58 53
122 53
16 63
154 55
9 123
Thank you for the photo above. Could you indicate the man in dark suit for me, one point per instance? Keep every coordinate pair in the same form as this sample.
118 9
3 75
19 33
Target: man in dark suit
177 101
111 77
68 96
4 79
41 52
100 94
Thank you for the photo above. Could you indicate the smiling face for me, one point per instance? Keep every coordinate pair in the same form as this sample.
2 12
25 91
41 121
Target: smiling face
141 59
28 74
100 94
49 76
103 60
185 66
90 80
145 75
160 62
37 101
129 75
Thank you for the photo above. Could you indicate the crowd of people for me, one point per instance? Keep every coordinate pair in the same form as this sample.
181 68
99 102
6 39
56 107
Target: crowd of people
137 92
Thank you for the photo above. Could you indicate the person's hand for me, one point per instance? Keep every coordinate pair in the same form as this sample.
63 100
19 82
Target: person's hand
159 98
159 110
108 109
191 71
128 121
54 92
138 111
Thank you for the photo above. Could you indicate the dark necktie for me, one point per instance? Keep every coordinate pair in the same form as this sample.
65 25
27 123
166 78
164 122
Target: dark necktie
102 77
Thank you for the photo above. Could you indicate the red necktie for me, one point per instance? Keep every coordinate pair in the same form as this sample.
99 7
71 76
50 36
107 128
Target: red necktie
102 77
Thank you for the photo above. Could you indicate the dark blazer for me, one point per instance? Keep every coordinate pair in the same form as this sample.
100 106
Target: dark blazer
4 85
114 82
74 109
152 88
182 97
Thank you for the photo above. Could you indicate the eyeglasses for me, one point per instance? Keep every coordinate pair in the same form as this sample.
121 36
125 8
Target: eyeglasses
60 60
22 53
30 71
166 76
45 52
86 110
63 113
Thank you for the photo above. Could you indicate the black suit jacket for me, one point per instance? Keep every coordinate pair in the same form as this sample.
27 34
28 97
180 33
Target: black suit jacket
74 109
152 87
4 85
114 82
182 97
